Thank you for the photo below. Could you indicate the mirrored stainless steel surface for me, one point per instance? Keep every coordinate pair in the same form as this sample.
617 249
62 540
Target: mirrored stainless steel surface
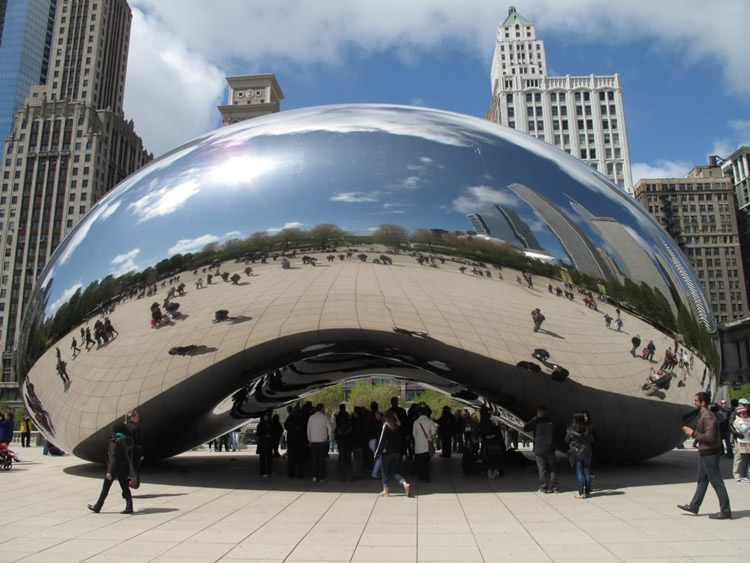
271 258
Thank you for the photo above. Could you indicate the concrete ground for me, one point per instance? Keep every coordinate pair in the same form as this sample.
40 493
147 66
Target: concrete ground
203 506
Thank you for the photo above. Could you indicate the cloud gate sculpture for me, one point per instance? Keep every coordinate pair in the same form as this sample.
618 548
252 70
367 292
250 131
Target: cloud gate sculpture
267 260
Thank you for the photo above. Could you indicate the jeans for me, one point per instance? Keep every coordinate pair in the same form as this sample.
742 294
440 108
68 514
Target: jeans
708 472
545 464
389 468
583 476
318 452
376 467
266 458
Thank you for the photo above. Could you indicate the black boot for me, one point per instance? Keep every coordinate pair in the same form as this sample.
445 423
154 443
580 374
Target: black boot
128 507
95 507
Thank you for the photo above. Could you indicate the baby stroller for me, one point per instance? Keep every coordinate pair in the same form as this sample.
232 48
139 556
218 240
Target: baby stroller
7 456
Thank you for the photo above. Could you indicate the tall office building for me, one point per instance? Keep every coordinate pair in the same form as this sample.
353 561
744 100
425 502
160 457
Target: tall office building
737 168
68 146
251 96
26 28
583 115
699 212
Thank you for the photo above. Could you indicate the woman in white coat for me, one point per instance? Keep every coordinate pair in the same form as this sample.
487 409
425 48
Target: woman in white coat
424 432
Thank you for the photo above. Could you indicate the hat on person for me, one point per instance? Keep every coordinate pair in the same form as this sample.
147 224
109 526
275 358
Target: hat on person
743 401
723 401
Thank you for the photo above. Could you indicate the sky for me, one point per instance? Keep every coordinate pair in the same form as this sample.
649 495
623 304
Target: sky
683 64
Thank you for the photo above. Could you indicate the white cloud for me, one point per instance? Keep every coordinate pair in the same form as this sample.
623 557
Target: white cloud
417 101
125 262
185 245
181 51
660 169
101 211
737 136
355 197
291 225
172 90
477 196
163 201
64 298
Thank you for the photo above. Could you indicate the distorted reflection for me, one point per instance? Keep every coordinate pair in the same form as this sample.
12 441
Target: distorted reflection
281 255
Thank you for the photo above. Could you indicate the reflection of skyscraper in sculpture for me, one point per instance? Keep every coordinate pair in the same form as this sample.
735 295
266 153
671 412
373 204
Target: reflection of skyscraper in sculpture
697 304
582 253
633 260
503 223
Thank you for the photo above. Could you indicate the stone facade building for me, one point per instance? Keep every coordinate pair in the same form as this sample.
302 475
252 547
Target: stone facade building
251 96
699 212
583 115
68 146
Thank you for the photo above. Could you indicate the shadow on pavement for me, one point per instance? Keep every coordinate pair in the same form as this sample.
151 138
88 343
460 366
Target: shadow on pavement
241 471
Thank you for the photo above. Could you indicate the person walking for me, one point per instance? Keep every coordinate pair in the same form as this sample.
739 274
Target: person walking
319 434
119 467
26 431
132 421
389 450
706 434
264 449
579 437
424 432
741 427
544 450
75 348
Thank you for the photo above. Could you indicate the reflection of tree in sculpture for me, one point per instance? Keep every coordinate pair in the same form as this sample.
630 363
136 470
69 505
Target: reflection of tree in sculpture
394 236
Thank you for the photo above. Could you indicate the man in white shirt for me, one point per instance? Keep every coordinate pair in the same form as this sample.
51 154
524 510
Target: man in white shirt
319 433
424 431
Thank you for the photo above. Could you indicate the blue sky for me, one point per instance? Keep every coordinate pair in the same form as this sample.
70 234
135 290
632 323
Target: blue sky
685 81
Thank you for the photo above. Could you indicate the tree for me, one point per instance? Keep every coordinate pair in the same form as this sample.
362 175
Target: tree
436 401
292 235
364 392
325 233
260 241
391 235
331 397
425 236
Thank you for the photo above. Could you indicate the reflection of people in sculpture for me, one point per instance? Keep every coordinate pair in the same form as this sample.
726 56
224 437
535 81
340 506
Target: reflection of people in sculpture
62 371
89 341
538 318
75 348
199 283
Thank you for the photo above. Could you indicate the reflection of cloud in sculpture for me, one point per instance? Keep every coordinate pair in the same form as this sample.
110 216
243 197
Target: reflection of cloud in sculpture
290 225
64 298
164 201
355 197
183 246
125 262
99 212
481 195
240 169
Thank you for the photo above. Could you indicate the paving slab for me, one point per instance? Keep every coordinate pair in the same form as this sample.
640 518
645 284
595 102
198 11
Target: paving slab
204 506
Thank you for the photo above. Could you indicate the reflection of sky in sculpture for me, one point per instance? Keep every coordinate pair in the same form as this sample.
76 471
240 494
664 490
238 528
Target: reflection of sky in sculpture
358 167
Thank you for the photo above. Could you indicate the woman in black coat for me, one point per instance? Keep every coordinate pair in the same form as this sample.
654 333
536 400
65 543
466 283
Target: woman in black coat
119 466
264 433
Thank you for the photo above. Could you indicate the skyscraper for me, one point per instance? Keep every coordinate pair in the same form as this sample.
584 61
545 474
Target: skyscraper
26 28
68 146
699 212
583 115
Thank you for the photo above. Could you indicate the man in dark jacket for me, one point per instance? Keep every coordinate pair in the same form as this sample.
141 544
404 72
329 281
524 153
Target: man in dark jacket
119 463
707 435
544 450
296 441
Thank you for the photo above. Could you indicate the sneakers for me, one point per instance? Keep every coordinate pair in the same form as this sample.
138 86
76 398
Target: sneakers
744 480
579 496
315 479
542 490
687 508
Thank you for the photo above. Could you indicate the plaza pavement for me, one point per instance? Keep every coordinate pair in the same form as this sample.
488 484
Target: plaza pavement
203 506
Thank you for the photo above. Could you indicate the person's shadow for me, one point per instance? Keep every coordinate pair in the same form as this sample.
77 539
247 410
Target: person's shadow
545 331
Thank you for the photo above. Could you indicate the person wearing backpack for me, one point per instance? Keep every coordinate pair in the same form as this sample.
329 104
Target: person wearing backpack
119 467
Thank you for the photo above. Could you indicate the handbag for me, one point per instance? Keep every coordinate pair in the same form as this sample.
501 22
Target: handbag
133 481
430 443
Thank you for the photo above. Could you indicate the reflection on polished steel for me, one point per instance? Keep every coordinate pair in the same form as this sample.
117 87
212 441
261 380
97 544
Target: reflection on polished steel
266 260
